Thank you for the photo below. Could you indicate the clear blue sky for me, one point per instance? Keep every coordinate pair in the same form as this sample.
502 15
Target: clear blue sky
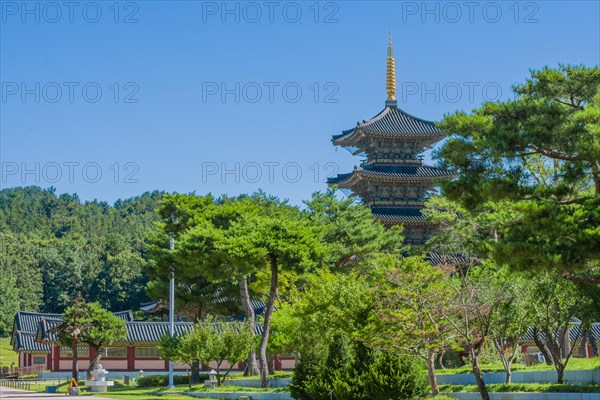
169 126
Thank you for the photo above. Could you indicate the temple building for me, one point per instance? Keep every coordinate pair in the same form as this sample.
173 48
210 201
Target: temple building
393 181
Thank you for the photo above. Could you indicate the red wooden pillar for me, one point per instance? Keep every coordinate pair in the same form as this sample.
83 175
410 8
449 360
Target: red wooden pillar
277 363
131 358
166 365
49 360
56 357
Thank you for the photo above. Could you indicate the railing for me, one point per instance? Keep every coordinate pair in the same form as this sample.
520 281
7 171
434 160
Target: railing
15 384
11 372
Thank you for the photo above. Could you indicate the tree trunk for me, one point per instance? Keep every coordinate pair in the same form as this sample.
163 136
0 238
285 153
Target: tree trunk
252 362
560 372
435 390
95 361
195 375
441 359
478 376
593 344
74 366
262 350
271 362
542 346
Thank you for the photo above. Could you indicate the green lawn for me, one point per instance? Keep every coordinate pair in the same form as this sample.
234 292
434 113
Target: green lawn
574 364
120 391
7 355
524 387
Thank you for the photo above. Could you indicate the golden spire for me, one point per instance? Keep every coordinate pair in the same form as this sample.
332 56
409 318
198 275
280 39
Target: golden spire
390 83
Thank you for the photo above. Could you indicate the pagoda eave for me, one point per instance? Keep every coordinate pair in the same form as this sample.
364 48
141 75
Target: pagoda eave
360 176
353 138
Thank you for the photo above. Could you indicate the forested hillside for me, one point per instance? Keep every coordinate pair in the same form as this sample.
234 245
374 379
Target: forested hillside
55 245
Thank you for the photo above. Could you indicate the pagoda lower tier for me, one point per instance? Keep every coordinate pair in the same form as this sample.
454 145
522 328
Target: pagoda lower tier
395 193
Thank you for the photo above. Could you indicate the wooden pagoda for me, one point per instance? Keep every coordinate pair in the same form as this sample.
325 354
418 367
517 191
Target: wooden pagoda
393 181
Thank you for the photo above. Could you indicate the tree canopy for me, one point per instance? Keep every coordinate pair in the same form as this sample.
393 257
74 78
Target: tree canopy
539 154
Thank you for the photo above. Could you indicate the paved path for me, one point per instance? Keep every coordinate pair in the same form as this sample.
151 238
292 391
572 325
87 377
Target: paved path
16 394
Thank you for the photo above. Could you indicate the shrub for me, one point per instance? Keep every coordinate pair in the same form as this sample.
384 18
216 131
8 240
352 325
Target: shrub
162 380
354 372
391 377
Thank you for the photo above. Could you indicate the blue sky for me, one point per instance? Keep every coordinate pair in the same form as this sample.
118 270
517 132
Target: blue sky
111 99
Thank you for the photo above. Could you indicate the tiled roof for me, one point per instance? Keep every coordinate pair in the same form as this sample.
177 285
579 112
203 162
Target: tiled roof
141 331
574 332
398 214
26 325
24 341
394 171
393 120
124 315
137 331
438 259
28 321
25 321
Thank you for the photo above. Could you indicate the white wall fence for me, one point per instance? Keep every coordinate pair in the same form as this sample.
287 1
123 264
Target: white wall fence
584 377
238 395
528 396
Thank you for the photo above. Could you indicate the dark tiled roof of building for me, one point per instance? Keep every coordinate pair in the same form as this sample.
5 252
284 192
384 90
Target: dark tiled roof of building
438 259
394 171
574 332
398 214
141 331
28 321
137 331
24 341
25 321
26 325
393 120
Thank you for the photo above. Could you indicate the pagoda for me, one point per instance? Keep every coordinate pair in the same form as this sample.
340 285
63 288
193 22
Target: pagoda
393 181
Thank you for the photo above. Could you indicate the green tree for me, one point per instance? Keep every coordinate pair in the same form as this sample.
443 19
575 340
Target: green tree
510 322
91 324
553 304
322 324
409 317
280 238
20 279
351 233
218 341
99 329
477 285
540 153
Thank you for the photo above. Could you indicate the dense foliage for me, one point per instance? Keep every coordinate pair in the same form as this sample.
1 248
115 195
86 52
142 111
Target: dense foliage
54 246
225 343
540 155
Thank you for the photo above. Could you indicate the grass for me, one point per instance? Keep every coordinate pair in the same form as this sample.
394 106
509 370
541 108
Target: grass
7 355
574 364
120 391
524 387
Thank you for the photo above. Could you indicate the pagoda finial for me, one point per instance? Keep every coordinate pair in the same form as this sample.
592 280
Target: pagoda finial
390 84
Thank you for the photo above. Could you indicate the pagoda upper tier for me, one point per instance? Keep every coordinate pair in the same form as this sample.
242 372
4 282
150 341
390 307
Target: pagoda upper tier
391 184
393 135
